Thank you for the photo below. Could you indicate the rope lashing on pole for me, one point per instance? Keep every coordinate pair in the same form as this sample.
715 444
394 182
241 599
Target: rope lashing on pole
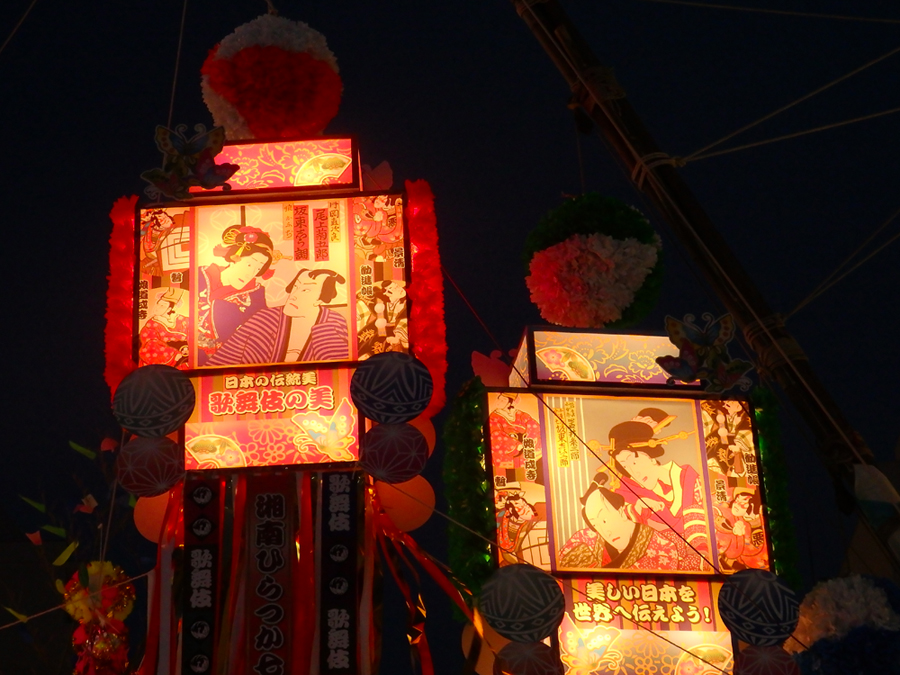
647 163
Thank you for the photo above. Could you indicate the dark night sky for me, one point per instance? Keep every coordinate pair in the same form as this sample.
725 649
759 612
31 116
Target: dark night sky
461 94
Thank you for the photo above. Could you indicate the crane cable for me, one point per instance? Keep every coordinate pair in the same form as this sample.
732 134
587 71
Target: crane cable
16 27
177 61
698 154
782 12
830 281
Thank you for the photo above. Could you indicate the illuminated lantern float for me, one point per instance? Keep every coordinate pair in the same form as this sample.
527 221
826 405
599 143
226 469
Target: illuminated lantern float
269 295
640 496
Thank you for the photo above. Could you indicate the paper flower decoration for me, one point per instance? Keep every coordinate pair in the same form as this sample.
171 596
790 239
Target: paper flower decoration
272 78
834 608
593 262
98 593
101 648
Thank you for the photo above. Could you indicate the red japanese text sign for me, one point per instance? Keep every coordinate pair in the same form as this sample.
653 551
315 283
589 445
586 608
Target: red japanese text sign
257 418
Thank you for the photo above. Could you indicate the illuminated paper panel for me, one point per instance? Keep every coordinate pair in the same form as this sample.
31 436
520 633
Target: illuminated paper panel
519 375
307 281
279 165
562 356
517 474
258 418
637 485
623 625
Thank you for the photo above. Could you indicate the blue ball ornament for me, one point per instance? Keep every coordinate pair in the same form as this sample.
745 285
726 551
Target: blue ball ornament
522 603
528 658
148 467
154 401
391 388
758 607
394 453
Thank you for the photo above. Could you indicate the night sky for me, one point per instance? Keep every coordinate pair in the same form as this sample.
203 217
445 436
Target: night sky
462 95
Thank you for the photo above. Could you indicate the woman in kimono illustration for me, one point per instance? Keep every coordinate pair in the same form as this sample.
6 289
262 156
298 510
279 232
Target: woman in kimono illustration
230 294
663 495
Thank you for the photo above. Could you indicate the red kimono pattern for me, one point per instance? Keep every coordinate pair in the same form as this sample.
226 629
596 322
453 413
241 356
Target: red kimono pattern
648 549
161 343
508 438
735 539
683 511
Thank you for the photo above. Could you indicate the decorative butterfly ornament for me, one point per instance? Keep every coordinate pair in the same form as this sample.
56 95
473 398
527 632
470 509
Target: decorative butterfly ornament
703 354
188 162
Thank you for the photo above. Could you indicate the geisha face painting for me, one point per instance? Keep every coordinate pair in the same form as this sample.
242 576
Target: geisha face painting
247 267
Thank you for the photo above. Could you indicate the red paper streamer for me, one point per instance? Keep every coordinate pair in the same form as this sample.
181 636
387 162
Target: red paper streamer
232 633
415 608
172 530
120 293
428 332
305 613
280 94
396 546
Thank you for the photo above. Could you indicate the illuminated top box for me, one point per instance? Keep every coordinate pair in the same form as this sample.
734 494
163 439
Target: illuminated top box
555 355
295 165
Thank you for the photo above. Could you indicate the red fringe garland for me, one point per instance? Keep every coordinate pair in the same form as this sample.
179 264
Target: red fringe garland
120 293
399 546
428 332
280 94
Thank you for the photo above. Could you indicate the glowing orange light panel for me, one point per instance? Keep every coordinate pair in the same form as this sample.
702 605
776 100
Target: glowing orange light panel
290 164
259 418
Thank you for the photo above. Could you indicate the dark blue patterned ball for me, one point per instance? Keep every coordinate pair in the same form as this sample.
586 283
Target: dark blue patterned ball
522 603
528 658
154 401
148 467
758 607
394 453
391 388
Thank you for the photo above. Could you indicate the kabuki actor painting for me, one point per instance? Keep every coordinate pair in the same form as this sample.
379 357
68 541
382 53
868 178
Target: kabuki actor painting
312 280
585 483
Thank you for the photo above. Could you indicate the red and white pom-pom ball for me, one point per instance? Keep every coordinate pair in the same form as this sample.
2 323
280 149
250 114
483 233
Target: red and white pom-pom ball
272 78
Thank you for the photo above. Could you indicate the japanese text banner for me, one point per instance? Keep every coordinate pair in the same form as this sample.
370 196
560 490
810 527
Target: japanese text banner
265 419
